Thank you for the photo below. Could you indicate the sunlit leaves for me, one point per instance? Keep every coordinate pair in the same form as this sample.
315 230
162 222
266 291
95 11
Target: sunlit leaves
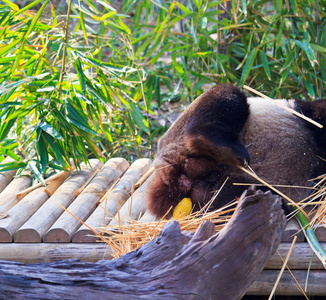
124 64
53 127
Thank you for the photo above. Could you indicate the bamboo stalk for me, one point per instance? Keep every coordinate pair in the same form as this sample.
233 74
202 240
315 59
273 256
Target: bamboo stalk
87 182
311 238
142 180
23 193
64 56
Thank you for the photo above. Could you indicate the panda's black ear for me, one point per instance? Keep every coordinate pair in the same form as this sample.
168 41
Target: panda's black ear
215 124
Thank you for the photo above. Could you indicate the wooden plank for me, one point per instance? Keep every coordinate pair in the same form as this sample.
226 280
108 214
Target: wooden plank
302 257
33 230
63 229
46 252
117 197
6 176
20 213
148 217
8 196
292 229
50 252
134 208
24 209
287 286
53 183
56 181
184 266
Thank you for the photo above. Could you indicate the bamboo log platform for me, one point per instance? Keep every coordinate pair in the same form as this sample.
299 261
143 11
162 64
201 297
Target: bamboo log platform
115 198
60 221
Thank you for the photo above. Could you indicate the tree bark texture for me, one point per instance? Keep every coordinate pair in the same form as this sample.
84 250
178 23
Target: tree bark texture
175 265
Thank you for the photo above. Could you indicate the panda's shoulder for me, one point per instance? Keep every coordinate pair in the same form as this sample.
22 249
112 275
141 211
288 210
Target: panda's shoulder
263 105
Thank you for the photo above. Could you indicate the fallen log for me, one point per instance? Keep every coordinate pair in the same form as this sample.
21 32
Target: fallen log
175 265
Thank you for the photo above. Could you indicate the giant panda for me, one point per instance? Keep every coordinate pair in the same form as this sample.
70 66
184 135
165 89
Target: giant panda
223 129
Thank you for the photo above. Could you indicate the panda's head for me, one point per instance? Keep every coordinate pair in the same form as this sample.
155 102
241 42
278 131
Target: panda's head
222 128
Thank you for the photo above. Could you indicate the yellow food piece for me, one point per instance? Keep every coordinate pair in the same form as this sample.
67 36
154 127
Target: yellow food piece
183 208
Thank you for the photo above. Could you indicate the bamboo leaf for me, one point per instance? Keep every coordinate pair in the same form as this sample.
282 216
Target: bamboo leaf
236 26
278 4
27 7
55 22
289 60
108 15
50 130
184 9
107 5
81 126
310 235
12 5
42 151
82 23
244 6
159 5
9 152
77 117
139 118
30 28
318 48
7 125
53 144
12 166
305 46
248 65
310 89
81 77
36 172
265 64
6 49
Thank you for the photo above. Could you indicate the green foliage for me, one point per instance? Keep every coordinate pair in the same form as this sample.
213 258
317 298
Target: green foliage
94 89
53 108
277 47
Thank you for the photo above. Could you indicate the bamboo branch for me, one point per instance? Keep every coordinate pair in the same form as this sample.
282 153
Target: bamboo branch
63 69
310 235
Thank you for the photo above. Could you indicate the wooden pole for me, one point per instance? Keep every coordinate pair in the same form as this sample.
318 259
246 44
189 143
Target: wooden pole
34 229
8 196
103 214
63 229
173 265
6 176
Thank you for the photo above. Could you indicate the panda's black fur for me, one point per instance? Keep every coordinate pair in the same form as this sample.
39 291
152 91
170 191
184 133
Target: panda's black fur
222 129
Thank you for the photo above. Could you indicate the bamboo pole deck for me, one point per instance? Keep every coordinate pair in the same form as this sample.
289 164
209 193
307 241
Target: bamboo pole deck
37 225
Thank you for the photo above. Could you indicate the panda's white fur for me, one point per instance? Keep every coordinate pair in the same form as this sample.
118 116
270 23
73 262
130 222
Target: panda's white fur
275 140
223 128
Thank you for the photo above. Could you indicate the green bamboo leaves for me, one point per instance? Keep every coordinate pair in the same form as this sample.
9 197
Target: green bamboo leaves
248 65
123 65
48 127
310 235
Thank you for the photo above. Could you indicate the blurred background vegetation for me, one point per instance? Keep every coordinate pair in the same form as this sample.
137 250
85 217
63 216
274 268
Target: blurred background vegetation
80 79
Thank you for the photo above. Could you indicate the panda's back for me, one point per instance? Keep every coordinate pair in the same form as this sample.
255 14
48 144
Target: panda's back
281 149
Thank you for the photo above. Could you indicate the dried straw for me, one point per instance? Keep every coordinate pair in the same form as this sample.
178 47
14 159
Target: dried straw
130 234
318 213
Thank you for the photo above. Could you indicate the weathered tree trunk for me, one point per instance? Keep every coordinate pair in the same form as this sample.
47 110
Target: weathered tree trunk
174 265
